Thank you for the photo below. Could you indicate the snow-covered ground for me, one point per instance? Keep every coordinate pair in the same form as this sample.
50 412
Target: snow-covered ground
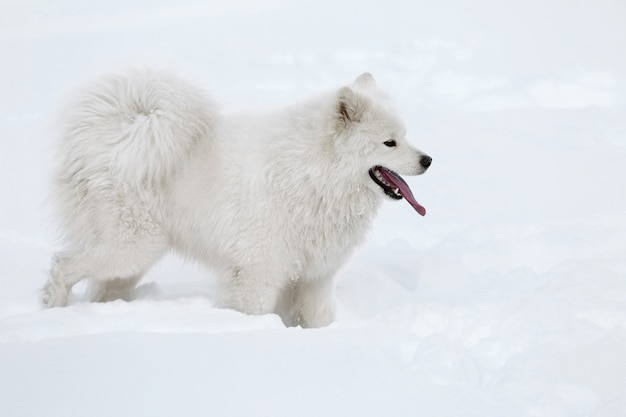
507 299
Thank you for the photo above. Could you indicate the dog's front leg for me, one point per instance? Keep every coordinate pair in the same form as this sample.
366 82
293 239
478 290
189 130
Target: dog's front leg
314 301
251 290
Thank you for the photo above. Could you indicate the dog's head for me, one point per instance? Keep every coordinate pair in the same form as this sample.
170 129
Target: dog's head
370 132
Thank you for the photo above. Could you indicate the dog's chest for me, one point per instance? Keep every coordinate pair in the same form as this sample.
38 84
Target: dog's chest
330 229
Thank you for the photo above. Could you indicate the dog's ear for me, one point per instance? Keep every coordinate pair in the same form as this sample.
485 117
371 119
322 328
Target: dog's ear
365 80
350 106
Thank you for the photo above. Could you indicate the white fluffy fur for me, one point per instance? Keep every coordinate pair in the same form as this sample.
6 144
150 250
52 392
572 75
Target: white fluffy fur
274 201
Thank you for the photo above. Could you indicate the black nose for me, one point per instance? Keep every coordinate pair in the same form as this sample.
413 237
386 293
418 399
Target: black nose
425 161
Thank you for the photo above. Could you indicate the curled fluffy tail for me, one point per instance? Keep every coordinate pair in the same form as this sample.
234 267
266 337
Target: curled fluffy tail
135 129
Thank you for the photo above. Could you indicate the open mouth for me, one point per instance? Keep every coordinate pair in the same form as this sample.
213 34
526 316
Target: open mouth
394 186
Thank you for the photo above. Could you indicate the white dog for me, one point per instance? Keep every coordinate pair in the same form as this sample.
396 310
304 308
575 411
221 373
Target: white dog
274 201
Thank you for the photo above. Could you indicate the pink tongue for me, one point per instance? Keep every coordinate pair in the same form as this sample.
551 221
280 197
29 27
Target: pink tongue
397 181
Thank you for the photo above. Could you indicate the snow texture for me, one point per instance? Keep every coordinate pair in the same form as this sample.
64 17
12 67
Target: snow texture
507 299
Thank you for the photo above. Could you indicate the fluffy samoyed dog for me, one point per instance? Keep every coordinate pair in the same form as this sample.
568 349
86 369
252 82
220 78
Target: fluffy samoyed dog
273 201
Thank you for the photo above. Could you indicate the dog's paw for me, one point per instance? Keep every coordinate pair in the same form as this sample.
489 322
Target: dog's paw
320 317
54 295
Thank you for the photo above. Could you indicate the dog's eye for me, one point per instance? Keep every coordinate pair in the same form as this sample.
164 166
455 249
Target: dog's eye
391 143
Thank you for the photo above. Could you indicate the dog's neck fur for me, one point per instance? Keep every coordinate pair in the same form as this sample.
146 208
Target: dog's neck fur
339 191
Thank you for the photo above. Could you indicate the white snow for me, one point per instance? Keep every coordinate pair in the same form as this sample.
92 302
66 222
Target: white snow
507 299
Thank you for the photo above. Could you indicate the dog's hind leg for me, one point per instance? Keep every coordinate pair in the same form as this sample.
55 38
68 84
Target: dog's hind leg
114 269
66 270
112 289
